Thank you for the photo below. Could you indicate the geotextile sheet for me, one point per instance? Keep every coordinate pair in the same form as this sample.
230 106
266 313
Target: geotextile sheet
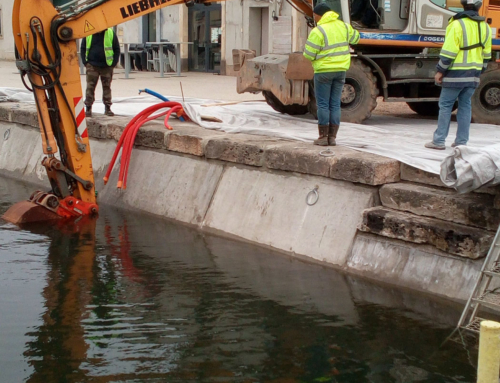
398 138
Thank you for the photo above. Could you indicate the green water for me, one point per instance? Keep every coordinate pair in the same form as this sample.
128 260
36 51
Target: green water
132 298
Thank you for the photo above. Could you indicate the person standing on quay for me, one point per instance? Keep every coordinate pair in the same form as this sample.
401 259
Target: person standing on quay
327 47
464 56
100 53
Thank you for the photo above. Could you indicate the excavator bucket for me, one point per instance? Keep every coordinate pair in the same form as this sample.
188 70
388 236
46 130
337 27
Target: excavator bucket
28 212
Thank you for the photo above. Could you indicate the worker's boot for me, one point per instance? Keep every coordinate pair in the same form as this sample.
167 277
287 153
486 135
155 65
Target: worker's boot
107 111
88 111
323 136
332 134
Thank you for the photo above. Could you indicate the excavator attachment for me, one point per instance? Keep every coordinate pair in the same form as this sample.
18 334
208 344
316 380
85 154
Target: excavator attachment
41 207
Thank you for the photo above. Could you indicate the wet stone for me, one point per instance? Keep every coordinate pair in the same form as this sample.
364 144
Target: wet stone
452 238
472 209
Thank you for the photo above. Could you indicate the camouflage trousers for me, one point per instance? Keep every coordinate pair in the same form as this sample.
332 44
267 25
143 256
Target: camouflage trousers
93 74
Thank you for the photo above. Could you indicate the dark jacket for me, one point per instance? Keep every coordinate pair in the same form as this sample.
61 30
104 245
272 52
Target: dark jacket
96 53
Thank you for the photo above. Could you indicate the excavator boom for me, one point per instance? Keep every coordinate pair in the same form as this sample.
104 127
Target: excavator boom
47 58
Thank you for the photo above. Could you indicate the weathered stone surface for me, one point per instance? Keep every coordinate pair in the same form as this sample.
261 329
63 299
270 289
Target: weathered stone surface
450 237
471 209
6 110
26 115
241 149
151 135
299 157
365 168
409 173
189 138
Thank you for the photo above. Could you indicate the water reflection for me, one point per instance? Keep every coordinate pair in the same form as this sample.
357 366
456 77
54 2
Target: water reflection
131 298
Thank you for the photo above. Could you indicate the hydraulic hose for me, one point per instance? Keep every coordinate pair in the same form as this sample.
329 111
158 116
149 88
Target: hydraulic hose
127 139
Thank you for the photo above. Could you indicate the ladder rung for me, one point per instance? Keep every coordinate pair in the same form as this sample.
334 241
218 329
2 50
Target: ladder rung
494 271
490 299
474 325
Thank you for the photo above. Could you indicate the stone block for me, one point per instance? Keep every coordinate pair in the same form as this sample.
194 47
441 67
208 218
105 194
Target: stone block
409 173
189 138
151 135
453 238
6 110
241 149
471 209
26 115
301 158
366 168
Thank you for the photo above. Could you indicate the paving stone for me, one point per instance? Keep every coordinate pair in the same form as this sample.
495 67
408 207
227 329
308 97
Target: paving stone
6 110
189 138
299 157
409 173
366 168
472 209
241 149
26 115
453 238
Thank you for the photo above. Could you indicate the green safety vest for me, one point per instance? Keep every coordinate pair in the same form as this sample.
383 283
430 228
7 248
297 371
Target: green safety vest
328 44
465 52
108 46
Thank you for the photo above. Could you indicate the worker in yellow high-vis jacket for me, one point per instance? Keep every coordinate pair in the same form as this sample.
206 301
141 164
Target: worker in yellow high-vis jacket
464 56
328 48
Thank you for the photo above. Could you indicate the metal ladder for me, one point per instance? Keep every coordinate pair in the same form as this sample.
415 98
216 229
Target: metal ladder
480 295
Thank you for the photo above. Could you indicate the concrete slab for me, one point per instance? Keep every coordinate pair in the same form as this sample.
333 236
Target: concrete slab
175 187
453 238
471 209
271 209
416 267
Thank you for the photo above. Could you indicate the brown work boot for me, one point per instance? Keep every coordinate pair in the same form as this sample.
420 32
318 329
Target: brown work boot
107 111
88 111
332 134
323 136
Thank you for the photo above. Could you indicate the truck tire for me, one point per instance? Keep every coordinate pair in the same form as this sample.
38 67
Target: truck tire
429 108
486 99
278 106
359 96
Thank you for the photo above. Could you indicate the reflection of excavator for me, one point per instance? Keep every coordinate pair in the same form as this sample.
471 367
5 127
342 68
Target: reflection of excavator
390 60
45 39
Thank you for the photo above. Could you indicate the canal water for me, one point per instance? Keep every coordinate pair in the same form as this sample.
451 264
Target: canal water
133 298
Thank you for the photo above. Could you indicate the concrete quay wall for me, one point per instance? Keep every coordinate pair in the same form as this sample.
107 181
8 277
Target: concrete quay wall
257 189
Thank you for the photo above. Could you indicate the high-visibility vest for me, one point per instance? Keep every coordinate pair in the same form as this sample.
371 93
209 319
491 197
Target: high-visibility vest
328 44
108 46
465 52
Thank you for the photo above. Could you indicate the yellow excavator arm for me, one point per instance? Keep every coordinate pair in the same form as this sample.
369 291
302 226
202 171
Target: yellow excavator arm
47 57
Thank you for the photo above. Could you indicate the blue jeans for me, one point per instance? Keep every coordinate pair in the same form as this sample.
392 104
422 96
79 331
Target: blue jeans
328 89
446 101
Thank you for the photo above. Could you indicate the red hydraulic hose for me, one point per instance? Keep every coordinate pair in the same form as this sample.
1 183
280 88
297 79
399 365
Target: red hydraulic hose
127 138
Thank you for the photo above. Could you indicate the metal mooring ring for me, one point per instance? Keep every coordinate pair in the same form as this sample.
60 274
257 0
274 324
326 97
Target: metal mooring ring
6 135
327 153
314 192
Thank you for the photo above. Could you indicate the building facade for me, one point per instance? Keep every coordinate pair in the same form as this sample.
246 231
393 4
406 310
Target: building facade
266 26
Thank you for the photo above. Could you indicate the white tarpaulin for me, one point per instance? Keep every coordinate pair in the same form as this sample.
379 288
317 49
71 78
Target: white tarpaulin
469 168
398 138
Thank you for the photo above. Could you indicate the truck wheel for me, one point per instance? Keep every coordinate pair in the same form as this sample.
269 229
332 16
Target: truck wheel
486 99
429 108
359 96
278 106
311 106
